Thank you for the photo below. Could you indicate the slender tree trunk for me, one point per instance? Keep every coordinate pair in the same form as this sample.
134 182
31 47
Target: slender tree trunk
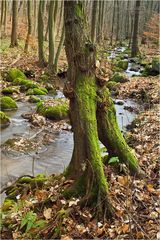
2 11
14 42
81 60
113 19
35 18
127 22
59 51
134 50
29 13
60 18
118 23
51 37
5 16
42 61
94 20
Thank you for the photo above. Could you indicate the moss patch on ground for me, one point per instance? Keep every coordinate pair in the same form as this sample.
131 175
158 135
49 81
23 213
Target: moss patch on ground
118 78
37 91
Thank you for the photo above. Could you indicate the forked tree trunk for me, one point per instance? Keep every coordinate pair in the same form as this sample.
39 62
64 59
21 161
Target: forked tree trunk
81 60
134 51
29 13
14 42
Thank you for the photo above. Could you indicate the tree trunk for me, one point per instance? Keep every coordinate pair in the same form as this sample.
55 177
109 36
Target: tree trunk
94 21
60 17
59 51
42 61
5 16
86 158
14 42
2 11
110 134
29 13
118 23
134 50
51 37
35 18
113 19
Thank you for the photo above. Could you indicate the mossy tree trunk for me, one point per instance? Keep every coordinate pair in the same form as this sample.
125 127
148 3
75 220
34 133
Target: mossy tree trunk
86 163
14 42
110 134
29 13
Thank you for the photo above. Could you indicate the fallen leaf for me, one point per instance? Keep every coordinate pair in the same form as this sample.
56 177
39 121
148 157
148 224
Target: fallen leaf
47 213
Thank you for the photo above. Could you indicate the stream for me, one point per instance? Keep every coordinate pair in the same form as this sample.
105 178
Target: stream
56 155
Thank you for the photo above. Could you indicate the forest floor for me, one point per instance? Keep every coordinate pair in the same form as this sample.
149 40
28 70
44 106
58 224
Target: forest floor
42 212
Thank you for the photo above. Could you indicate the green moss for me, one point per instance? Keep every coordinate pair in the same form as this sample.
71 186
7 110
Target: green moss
112 86
57 112
14 73
35 91
7 205
7 103
122 64
117 77
34 99
4 120
156 64
24 180
9 90
24 82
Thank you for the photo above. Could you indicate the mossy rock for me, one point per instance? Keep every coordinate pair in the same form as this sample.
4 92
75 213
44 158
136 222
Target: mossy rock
9 90
14 73
7 103
25 179
4 120
24 82
36 91
122 64
118 78
156 64
34 99
7 205
57 112
112 86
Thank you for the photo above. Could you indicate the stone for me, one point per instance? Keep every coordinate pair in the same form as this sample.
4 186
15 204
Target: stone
7 103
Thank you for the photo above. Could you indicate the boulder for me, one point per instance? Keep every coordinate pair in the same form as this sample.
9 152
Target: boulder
118 78
9 90
37 91
14 73
55 110
122 64
4 120
156 65
7 103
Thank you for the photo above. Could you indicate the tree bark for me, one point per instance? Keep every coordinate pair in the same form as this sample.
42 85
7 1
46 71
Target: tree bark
86 158
51 37
94 21
110 134
59 51
134 50
29 13
113 19
14 42
42 61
